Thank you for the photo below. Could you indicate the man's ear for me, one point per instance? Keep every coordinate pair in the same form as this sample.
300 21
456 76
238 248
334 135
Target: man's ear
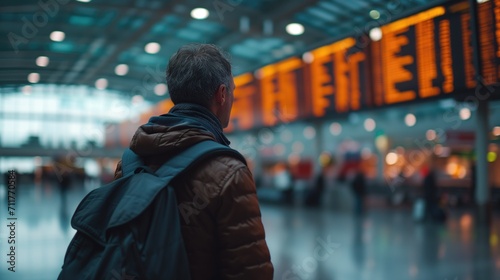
221 94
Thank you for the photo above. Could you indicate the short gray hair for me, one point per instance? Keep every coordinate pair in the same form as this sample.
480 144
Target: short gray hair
195 72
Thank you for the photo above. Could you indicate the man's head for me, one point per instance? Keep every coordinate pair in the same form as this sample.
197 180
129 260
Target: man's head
201 74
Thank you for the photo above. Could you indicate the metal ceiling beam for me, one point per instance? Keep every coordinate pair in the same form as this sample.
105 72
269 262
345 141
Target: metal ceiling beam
276 15
16 8
132 39
81 63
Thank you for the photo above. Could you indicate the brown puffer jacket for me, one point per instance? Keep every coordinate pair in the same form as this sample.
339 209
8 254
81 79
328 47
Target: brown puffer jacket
220 215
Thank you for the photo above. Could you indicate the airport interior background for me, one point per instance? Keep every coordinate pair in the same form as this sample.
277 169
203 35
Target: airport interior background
351 114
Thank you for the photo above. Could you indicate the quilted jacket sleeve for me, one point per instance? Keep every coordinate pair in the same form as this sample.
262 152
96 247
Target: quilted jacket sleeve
243 250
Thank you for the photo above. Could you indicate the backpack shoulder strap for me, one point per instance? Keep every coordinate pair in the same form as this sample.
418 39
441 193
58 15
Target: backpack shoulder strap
194 154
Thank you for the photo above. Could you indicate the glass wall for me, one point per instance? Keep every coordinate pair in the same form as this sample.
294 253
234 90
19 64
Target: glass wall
61 116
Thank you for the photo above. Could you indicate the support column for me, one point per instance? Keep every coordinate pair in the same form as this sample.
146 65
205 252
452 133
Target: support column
482 175
481 145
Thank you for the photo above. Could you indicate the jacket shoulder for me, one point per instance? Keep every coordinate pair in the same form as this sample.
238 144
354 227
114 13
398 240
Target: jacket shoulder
221 168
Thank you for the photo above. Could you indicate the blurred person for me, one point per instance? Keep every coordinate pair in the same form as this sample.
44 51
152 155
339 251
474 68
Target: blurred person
283 181
432 209
358 185
429 188
314 197
64 169
225 239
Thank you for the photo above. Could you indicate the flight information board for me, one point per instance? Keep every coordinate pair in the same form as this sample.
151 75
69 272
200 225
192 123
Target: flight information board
423 56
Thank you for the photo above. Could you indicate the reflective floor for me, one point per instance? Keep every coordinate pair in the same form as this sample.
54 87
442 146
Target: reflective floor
305 243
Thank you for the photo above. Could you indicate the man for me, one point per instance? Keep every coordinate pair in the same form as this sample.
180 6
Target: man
220 215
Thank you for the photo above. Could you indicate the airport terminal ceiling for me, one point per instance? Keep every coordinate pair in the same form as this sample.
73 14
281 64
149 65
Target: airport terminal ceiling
123 44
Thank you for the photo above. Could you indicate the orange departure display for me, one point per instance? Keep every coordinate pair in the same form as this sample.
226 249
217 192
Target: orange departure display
394 67
335 78
486 41
279 91
398 64
354 70
446 56
426 58
497 27
243 105
470 82
378 89
423 56
497 32
321 86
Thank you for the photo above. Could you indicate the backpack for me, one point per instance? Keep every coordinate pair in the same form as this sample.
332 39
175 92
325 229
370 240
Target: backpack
130 228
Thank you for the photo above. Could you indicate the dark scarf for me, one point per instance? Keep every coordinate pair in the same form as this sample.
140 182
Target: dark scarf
194 115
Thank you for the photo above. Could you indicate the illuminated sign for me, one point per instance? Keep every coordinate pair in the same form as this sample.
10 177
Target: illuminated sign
244 105
335 78
279 88
423 56
489 26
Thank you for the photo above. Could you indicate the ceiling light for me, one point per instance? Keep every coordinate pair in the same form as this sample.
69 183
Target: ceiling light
101 83
266 136
84 1
482 1
370 125
309 132
410 120
258 74
57 36
391 158
295 29
160 89
465 114
42 61
152 48
308 57
137 99
496 131
27 90
34 78
335 129
374 14
121 69
431 135
376 34
199 13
